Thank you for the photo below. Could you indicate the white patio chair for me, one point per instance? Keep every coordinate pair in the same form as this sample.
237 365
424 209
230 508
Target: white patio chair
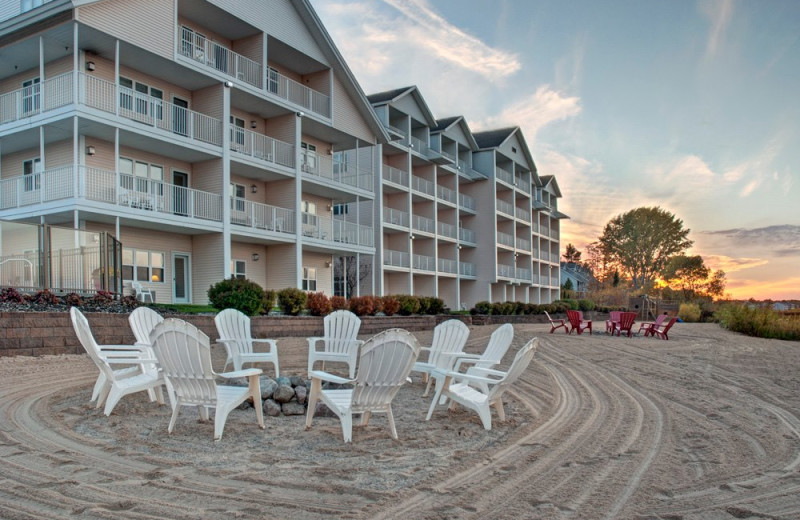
383 367
141 293
339 341
184 354
449 338
498 345
457 387
234 332
115 384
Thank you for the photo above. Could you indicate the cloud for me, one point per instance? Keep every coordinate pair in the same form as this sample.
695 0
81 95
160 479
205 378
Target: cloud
534 111
719 13
781 241
730 264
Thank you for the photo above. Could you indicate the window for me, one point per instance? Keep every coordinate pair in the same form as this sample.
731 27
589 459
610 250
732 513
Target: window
309 279
272 80
238 269
193 44
142 265
238 194
142 98
309 152
31 170
141 176
27 5
237 131
309 210
341 209
30 95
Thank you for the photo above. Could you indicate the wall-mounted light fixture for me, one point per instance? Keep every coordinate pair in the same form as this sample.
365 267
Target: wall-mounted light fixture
253 188
255 257
253 124
300 114
90 66
329 207
91 150
459 246
412 237
328 264
229 84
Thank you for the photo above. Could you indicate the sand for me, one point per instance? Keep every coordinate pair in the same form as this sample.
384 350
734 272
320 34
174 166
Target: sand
704 426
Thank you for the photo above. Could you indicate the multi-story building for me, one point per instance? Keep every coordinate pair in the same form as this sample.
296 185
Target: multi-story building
215 138
465 216
220 138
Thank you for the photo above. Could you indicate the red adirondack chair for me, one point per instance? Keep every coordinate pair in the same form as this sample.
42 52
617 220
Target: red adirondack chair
613 317
577 322
646 324
625 323
661 330
556 324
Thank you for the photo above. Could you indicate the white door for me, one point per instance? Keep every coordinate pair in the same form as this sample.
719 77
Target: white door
181 279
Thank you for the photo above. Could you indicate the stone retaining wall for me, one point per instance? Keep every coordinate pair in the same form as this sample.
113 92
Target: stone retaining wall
43 333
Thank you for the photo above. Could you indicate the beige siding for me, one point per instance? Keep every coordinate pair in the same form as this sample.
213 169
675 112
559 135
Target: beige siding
254 270
207 265
14 82
346 116
148 24
168 89
58 67
280 193
104 68
12 162
209 101
205 31
324 274
281 128
207 176
281 261
251 47
58 154
408 105
515 144
280 20
104 156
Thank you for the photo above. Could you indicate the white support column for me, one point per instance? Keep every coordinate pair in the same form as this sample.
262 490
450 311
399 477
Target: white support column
116 76
264 63
41 148
42 100
76 159
226 180
298 199
358 274
117 181
75 65
377 223
76 226
116 228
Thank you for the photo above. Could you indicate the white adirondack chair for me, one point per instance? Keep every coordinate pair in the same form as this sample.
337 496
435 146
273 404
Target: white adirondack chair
339 341
383 367
115 384
449 338
141 293
458 387
184 354
234 332
498 345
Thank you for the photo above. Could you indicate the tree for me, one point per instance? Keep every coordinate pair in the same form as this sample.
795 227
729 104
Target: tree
642 241
687 274
716 285
572 255
353 275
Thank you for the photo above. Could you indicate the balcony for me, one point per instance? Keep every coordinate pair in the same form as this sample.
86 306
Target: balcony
505 239
261 147
466 268
395 217
524 244
36 99
262 216
424 263
217 57
505 271
466 202
448 266
504 176
423 224
447 230
325 167
522 214
523 274
337 231
82 182
396 258
395 176
523 184
446 194
466 235
421 185
505 208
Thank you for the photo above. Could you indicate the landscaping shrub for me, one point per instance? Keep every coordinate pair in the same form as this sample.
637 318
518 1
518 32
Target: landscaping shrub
269 300
102 298
319 304
11 295
129 301
72 299
362 305
482 307
45 297
292 301
586 305
408 304
391 305
431 305
572 305
559 306
338 303
234 293
758 322
689 312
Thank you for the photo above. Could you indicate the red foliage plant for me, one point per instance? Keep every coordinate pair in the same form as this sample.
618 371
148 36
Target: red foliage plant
318 304
338 303
391 305
362 305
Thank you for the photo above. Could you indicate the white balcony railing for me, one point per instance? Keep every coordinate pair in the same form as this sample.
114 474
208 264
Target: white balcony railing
523 273
325 167
35 99
522 214
506 271
338 231
446 194
262 216
535 226
505 239
424 263
505 207
395 217
534 278
421 185
466 268
524 244
142 108
466 235
417 145
82 182
262 147
504 176
396 258
420 223
395 175
214 55
523 184
466 202
448 266
447 230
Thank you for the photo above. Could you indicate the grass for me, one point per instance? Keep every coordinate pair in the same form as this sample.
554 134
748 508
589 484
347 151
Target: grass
185 308
762 323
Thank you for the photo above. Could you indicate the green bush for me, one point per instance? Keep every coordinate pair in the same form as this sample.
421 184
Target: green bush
243 295
319 304
559 306
572 305
431 305
292 301
689 312
269 300
586 305
482 307
758 322
408 304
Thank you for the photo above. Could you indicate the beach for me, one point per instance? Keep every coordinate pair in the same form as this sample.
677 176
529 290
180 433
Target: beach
703 426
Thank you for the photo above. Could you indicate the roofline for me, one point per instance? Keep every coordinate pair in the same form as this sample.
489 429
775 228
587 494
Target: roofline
526 150
35 15
467 130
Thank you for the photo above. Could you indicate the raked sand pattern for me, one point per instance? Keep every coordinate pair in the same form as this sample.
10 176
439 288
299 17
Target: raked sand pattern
704 426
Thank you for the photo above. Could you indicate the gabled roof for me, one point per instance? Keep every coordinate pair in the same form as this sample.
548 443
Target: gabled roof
551 180
443 125
392 96
494 138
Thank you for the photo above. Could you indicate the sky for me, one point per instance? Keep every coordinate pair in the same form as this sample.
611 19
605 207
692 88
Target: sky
693 106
